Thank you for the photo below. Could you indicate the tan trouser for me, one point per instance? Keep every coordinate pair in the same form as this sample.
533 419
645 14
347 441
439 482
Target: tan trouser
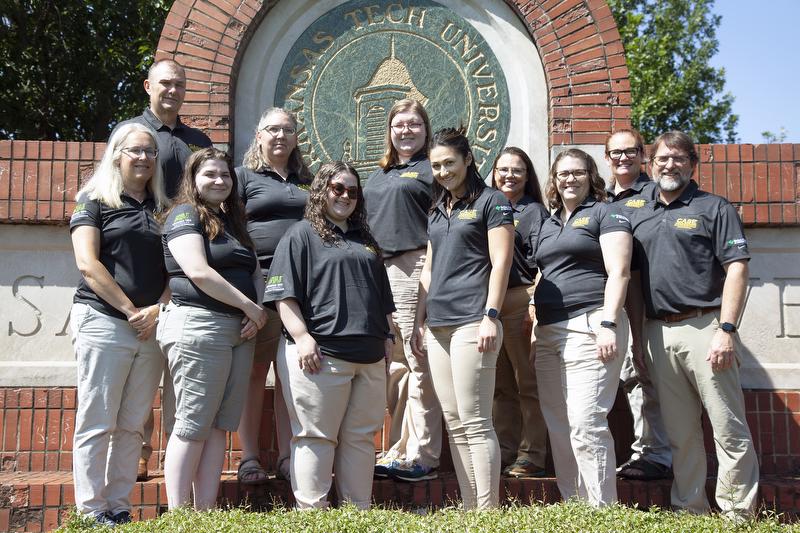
334 416
463 379
686 384
518 419
167 414
577 390
416 430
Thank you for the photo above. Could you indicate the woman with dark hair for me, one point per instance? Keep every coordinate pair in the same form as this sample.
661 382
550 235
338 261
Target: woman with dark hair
462 286
273 183
398 196
517 417
334 300
584 254
117 244
206 331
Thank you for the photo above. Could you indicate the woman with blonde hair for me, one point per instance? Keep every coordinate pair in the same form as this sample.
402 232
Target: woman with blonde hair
117 243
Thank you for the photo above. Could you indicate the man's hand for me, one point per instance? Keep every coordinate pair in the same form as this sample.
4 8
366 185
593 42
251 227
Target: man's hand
721 354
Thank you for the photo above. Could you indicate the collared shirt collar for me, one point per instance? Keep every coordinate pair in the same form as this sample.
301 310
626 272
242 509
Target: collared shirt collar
419 156
156 123
686 196
524 202
589 201
636 186
267 171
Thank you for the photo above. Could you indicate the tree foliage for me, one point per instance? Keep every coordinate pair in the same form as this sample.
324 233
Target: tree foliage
70 69
668 48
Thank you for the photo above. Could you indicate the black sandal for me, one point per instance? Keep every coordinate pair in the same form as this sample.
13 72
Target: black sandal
254 474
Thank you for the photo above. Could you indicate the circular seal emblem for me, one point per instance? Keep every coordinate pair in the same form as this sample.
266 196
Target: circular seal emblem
344 73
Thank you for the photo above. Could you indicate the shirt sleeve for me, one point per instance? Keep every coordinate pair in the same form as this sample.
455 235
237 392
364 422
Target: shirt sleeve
538 217
241 183
730 243
288 273
182 220
498 210
613 220
86 213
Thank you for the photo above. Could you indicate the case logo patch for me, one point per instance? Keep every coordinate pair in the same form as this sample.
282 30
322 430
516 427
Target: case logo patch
468 214
686 223
581 222
274 284
409 174
636 203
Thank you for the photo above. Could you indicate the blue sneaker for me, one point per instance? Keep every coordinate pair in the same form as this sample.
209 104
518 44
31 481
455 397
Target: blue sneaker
102 519
384 466
122 517
413 471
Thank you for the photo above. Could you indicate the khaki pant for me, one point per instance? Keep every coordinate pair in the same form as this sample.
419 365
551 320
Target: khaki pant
334 416
518 419
167 414
577 391
463 379
686 384
416 430
117 378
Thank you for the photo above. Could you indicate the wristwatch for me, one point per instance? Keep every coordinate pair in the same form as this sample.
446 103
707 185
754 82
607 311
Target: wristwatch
727 327
491 312
608 324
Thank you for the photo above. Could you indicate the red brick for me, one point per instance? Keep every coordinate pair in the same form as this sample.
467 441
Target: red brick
39 431
36 462
50 521
69 398
149 493
54 430
5 149
40 398
762 214
5 519
775 213
68 494
774 172
25 398
54 398
52 495
65 461
36 495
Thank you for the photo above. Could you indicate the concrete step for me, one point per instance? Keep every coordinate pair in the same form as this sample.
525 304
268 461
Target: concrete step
40 501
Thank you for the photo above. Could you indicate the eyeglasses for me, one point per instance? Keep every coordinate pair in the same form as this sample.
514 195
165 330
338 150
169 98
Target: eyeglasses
510 171
275 130
338 189
136 152
414 127
616 155
577 174
679 160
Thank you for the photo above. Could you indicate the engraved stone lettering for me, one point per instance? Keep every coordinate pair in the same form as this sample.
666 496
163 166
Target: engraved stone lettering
15 287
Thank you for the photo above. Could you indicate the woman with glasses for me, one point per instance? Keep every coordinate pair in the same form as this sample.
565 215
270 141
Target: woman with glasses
117 245
517 417
335 302
583 254
462 286
398 196
206 331
273 182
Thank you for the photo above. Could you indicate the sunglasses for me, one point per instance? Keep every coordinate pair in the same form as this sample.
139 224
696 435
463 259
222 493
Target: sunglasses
338 189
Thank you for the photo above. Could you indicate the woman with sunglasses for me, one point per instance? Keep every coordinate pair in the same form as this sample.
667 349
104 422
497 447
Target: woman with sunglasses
273 183
333 296
117 244
517 416
462 286
207 330
583 254
398 196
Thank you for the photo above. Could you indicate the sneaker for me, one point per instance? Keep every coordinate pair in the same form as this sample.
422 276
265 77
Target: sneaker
413 471
102 519
385 465
523 468
644 470
122 517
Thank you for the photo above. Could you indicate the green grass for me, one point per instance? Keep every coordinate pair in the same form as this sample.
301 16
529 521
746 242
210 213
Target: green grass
568 517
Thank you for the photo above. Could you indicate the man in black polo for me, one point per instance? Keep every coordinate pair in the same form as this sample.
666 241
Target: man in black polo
691 250
630 188
166 86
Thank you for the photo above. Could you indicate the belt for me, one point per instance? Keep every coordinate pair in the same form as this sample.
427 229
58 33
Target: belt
694 313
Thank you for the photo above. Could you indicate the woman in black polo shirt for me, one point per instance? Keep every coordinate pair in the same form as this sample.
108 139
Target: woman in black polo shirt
462 286
117 243
333 297
398 198
517 417
273 184
583 253
206 331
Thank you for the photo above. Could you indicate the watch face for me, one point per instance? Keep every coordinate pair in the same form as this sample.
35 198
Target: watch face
727 327
491 313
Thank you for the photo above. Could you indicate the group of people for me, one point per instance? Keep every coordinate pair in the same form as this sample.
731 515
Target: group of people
503 311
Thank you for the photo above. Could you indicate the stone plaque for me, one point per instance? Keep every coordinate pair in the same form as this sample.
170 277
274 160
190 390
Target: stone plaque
344 73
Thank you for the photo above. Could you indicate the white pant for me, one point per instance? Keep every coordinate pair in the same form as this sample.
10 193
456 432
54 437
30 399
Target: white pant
334 416
576 393
117 378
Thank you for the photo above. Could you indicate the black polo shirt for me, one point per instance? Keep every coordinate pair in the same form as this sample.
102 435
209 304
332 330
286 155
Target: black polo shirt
130 249
174 146
574 275
225 254
643 188
342 290
397 203
528 219
460 265
681 249
272 205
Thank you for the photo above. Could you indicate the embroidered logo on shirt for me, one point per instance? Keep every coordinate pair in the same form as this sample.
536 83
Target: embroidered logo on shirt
636 203
409 174
468 214
503 208
274 284
181 220
370 249
580 222
739 243
80 211
304 187
620 218
686 223
194 147
516 223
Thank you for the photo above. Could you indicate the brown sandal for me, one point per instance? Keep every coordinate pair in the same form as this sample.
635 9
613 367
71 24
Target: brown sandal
251 472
